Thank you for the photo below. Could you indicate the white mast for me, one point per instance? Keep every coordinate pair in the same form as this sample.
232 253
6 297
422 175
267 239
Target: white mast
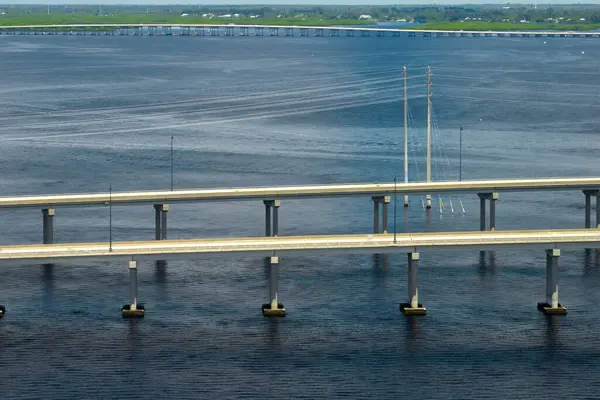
405 137
428 196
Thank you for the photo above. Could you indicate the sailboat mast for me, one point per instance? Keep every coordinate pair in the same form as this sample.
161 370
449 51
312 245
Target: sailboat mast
428 197
405 136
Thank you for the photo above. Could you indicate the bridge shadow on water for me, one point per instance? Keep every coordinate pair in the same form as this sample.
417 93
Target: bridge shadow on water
486 264
160 272
591 261
380 263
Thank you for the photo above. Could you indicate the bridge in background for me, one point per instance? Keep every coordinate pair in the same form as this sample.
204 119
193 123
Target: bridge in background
268 30
380 193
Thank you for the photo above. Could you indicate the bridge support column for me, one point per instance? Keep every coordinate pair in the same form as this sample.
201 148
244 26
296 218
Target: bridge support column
274 308
384 219
375 214
160 221
272 217
492 197
384 201
48 225
551 305
588 209
413 307
165 210
481 212
133 310
597 210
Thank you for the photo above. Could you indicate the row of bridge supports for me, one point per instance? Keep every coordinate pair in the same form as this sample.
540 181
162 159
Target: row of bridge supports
379 203
412 307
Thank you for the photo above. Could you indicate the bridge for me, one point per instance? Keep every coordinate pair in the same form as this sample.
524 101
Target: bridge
380 193
552 241
272 245
268 30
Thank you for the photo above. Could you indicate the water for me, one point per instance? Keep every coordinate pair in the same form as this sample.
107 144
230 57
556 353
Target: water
78 113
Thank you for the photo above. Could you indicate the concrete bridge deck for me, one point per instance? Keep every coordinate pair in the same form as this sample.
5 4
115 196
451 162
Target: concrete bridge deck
228 29
268 246
296 192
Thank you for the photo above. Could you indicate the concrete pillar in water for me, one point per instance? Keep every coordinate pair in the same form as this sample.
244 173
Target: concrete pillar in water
165 210
493 198
268 204
482 197
413 307
276 204
384 219
551 305
588 208
274 308
598 210
133 310
48 225
157 220
376 214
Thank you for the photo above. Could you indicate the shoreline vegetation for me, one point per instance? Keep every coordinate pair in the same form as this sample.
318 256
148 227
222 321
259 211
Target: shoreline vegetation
504 26
57 19
175 20
490 17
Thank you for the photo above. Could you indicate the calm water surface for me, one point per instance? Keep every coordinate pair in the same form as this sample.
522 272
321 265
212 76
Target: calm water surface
78 113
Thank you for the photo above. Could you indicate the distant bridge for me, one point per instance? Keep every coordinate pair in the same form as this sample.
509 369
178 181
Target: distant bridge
267 30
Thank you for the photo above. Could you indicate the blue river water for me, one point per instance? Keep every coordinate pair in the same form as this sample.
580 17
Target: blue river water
78 114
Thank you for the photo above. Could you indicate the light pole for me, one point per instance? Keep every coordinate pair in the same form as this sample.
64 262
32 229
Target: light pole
460 155
395 201
110 216
171 163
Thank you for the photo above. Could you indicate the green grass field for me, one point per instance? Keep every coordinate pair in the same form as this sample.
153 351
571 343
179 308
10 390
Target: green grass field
504 26
68 19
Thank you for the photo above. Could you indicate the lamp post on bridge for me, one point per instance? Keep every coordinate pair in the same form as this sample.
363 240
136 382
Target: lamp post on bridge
460 154
110 216
395 201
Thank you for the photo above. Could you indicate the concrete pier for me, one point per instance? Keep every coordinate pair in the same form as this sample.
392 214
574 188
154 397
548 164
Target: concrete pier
48 225
160 221
272 217
551 305
413 307
588 208
597 210
274 308
133 310
375 214
384 201
163 227
492 197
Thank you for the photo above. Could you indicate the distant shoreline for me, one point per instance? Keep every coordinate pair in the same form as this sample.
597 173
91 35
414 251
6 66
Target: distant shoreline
503 26
157 19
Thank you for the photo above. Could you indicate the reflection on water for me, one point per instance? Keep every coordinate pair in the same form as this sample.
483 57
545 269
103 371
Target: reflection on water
380 264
